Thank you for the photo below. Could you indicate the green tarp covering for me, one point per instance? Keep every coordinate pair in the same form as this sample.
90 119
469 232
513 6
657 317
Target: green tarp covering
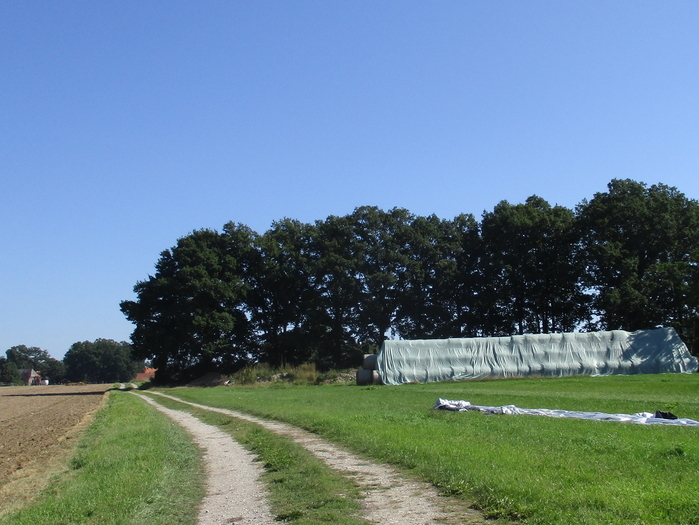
593 353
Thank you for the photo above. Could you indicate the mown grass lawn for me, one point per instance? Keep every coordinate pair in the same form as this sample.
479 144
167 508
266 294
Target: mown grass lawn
527 468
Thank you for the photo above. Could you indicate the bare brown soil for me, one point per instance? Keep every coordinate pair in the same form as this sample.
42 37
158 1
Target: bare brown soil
38 427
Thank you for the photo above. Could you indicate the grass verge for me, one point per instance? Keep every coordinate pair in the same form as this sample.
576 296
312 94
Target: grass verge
134 465
303 490
526 468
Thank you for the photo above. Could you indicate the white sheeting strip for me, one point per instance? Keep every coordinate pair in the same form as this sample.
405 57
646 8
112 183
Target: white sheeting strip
641 418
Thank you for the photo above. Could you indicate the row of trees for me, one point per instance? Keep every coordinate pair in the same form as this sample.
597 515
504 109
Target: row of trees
101 361
328 291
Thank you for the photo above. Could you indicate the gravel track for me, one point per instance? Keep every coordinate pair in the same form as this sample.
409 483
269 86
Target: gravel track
390 498
234 492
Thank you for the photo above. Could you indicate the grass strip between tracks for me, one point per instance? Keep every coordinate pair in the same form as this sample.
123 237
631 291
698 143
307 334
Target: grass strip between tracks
133 465
522 468
303 490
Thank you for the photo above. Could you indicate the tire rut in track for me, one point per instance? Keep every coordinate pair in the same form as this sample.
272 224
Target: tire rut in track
390 498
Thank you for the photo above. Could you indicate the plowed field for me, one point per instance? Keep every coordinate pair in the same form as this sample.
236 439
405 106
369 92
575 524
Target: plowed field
37 424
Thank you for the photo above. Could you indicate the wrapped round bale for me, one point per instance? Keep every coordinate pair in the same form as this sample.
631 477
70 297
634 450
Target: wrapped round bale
369 362
368 377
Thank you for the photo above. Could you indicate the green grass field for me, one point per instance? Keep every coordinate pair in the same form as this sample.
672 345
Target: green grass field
136 466
526 468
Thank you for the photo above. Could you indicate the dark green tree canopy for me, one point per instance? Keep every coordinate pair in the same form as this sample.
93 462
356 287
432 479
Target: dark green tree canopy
531 268
9 373
639 245
282 292
27 356
101 361
328 291
191 316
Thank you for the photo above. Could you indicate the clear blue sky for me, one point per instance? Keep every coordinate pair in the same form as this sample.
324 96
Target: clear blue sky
125 125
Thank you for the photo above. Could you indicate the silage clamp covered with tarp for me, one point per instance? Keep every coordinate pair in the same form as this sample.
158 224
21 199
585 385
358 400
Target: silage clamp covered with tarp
613 352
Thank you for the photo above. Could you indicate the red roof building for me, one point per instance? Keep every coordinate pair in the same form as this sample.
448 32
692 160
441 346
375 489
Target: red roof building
147 374
29 377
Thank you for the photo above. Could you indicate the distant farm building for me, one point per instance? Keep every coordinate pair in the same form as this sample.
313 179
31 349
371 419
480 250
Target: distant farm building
29 376
555 355
146 375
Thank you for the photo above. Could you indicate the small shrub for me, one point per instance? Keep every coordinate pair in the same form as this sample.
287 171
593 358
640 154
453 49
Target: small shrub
246 376
306 374
264 372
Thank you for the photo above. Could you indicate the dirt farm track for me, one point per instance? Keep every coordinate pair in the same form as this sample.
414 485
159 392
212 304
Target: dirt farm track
38 424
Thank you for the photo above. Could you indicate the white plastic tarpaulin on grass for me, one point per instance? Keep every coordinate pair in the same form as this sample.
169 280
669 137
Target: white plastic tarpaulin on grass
641 418
593 353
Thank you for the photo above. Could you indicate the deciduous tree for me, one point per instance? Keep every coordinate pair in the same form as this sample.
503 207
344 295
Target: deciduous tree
381 242
530 265
9 373
101 361
638 243
283 294
335 315
191 315
442 284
